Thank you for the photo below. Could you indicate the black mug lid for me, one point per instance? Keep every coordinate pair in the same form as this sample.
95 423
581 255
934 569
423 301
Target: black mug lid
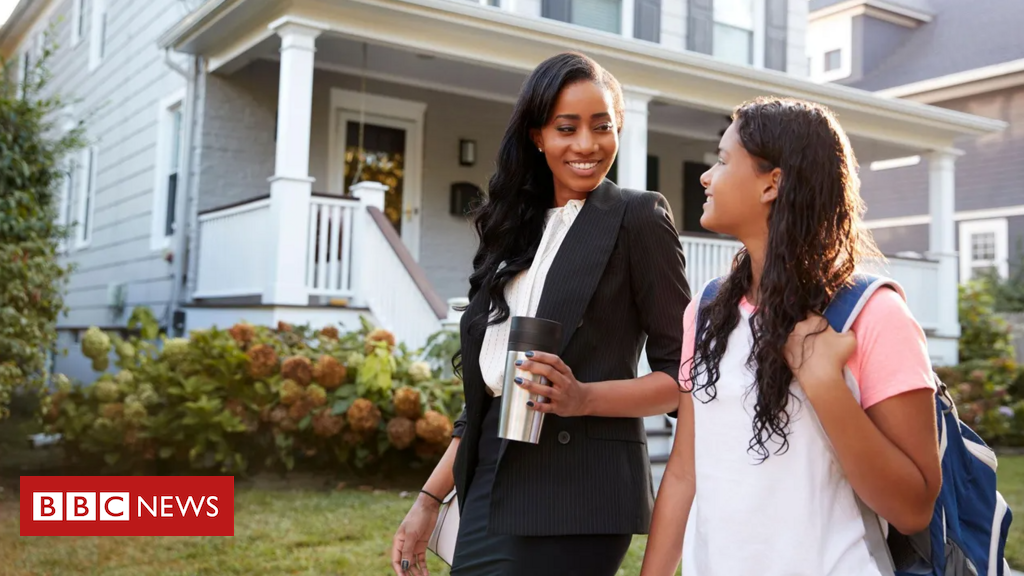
535 334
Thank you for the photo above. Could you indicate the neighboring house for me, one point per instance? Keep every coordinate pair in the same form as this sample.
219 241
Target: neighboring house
958 55
225 138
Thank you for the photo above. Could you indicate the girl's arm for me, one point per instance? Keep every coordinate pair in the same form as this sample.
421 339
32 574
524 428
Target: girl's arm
675 498
888 452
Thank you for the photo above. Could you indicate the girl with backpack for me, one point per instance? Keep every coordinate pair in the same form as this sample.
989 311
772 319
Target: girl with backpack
774 456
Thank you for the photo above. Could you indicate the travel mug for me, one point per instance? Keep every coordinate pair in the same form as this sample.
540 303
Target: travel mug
518 421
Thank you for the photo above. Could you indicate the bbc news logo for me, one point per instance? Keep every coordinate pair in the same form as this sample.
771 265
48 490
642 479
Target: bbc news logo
127 506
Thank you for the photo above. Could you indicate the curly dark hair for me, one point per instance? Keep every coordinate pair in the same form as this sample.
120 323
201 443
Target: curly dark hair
510 222
815 240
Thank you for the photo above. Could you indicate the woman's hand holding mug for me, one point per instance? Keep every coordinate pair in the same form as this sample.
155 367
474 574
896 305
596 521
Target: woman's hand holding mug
565 396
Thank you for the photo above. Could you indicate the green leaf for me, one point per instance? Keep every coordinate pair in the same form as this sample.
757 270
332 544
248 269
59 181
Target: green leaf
341 406
305 422
166 452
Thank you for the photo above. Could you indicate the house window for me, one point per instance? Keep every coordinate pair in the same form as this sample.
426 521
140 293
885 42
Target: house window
77 21
98 34
605 15
833 60
85 179
168 169
733 35
65 216
983 248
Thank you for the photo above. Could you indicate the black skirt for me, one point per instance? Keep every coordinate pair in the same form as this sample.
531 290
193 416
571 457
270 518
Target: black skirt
480 553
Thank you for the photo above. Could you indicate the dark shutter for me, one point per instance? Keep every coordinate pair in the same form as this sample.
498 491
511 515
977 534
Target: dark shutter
647 20
776 13
653 181
700 26
557 9
172 193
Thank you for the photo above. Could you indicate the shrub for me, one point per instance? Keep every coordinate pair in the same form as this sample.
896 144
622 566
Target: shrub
222 400
988 396
33 151
983 334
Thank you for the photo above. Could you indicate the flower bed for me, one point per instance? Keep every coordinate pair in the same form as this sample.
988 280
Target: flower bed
252 397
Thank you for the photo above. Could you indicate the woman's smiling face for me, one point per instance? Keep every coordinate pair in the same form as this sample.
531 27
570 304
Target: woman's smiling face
581 138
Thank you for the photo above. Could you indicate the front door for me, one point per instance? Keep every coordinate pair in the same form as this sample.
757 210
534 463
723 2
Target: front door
385 155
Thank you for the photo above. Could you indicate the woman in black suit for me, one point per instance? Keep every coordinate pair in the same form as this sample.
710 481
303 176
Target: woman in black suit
559 241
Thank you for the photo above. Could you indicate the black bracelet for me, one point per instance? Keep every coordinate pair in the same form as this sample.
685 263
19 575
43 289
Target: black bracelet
439 501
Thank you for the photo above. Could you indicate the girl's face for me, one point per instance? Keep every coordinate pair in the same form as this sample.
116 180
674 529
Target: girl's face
738 193
580 139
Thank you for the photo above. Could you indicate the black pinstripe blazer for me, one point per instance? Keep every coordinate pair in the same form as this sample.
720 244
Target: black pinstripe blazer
617 280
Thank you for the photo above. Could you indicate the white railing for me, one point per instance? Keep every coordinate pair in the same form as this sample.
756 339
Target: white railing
231 259
920 281
392 294
707 258
330 245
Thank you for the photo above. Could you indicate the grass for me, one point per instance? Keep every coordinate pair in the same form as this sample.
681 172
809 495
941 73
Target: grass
303 527
277 531
1011 485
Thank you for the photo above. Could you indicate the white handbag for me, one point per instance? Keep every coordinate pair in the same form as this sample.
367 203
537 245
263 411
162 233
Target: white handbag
446 531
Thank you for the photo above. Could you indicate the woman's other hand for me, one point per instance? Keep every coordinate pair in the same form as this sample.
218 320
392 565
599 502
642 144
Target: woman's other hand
409 546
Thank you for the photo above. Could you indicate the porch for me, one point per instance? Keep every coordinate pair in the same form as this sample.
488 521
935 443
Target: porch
307 91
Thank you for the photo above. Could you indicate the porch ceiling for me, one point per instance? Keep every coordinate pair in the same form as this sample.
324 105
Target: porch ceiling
487 51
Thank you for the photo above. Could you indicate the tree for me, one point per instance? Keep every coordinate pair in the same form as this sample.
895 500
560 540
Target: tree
33 154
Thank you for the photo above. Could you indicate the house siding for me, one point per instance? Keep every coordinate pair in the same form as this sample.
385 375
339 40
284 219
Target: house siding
989 175
119 103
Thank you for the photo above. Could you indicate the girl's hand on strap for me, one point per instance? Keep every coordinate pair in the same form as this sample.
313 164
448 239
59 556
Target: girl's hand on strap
816 353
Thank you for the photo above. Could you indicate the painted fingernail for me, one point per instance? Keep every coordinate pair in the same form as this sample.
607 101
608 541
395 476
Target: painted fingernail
529 403
519 362
519 380
529 354
405 564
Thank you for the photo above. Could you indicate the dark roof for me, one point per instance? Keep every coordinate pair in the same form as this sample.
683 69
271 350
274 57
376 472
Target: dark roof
963 35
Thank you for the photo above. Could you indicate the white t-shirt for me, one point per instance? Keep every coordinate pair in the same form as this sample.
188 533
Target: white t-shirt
794 514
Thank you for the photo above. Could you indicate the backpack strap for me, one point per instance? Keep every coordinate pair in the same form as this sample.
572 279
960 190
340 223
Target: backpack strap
707 295
842 311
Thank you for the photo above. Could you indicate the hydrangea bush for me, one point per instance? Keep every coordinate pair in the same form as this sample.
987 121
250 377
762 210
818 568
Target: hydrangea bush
253 397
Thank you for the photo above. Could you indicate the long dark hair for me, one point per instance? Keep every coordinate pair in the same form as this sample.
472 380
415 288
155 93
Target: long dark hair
815 241
511 221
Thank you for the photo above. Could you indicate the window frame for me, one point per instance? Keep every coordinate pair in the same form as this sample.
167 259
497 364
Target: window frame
98 34
86 197
825 61
999 228
168 106
77 22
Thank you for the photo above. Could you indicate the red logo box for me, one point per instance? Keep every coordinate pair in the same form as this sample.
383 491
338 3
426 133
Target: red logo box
127 506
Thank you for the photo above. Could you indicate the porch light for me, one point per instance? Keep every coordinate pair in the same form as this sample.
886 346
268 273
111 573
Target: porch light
467 152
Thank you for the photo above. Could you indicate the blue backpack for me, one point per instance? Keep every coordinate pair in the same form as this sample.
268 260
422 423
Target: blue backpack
968 531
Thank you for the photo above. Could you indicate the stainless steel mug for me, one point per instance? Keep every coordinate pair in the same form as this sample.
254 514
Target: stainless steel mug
518 421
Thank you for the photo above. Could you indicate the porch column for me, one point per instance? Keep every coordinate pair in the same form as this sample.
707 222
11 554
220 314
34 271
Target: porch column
364 261
291 186
942 241
633 140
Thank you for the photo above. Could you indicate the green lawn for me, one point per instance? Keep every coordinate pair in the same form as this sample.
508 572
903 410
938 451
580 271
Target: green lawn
281 529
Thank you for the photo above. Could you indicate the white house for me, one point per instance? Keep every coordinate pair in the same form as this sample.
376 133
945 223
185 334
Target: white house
225 138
